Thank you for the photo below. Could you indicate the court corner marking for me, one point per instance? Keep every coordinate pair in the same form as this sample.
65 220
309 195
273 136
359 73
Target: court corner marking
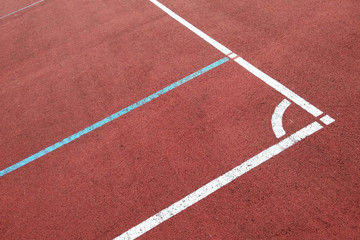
21 9
327 119
251 163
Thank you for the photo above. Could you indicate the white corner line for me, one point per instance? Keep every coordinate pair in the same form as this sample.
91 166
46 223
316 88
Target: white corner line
277 118
33 4
218 183
267 79
327 119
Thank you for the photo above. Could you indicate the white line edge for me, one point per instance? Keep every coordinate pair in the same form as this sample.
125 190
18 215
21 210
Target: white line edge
280 88
218 183
194 29
33 4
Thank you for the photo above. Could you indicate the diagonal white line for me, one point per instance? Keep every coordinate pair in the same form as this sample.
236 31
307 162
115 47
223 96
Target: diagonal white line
218 183
33 4
264 77
280 88
194 29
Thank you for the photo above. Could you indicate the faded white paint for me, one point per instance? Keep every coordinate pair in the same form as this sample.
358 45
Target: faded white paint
21 9
218 183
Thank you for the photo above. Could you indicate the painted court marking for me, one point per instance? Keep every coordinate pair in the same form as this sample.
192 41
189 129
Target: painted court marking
267 79
327 120
233 55
277 118
229 176
253 162
218 183
112 117
21 9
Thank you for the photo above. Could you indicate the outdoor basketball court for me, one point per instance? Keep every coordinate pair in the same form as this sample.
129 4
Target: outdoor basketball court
179 119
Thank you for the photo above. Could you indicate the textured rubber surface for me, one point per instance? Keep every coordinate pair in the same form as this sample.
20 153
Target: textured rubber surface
67 65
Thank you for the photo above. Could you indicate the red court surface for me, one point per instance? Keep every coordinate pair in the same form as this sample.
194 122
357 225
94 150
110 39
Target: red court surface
67 65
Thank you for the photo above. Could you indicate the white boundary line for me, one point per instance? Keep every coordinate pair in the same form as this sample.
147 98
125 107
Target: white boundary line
7 15
264 77
194 29
218 183
253 162
277 118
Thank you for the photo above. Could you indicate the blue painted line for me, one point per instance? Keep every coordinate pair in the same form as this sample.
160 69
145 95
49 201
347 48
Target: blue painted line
112 117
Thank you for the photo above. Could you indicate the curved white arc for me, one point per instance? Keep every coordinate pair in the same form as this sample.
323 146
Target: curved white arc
276 119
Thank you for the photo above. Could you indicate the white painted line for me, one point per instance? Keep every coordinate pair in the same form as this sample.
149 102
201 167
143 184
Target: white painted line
33 4
277 118
327 119
279 87
267 79
218 183
201 34
233 55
